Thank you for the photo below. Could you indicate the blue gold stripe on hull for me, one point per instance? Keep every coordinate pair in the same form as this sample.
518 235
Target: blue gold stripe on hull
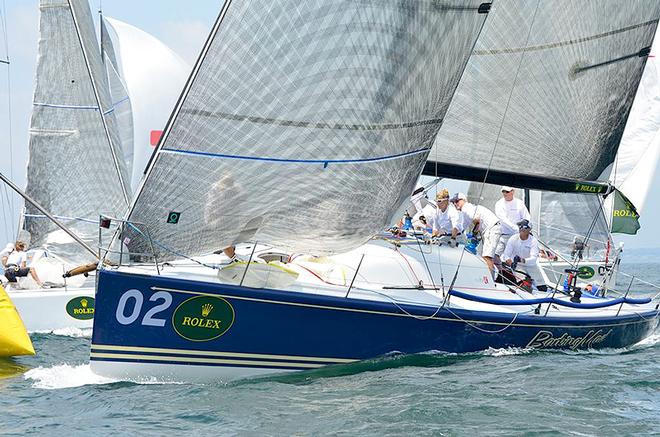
187 356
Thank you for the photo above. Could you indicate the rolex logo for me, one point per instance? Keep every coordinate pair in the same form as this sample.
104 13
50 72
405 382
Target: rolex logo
206 309
83 303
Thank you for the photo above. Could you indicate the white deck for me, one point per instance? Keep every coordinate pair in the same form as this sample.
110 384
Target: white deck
384 265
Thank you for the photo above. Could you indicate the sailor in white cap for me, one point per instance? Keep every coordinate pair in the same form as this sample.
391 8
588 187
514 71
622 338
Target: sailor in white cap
483 220
522 252
510 211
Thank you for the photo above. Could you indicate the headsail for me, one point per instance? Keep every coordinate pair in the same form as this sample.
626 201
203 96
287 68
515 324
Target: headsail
154 76
546 93
305 124
73 168
121 103
637 160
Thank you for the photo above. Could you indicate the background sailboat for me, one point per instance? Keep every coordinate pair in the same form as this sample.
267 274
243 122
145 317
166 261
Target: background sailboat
154 76
75 167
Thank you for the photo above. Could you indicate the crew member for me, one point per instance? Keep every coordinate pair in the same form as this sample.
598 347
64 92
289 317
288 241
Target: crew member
15 265
484 221
510 211
522 252
446 219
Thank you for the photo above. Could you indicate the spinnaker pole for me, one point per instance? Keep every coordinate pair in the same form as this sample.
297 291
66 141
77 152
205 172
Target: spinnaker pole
49 215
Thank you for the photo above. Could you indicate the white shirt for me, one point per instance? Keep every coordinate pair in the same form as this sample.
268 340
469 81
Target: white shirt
6 251
427 211
487 219
510 213
444 222
527 249
17 258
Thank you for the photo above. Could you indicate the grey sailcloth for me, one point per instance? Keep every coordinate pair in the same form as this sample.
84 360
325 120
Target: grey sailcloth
546 93
305 124
565 217
73 170
121 103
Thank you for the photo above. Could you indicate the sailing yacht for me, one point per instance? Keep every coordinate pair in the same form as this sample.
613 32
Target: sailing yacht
80 156
302 130
75 170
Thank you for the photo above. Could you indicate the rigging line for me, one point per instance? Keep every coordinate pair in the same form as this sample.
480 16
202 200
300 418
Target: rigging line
426 264
497 139
5 212
10 199
571 232
167 248
576 261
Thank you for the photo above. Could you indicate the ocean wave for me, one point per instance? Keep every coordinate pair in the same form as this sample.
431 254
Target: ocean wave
505 352
65 376
68 332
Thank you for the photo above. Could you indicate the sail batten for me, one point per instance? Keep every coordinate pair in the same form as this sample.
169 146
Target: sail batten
302 119
546 93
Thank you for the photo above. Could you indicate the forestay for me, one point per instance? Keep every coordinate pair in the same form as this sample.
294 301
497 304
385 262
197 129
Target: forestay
305 124
546 94
75 168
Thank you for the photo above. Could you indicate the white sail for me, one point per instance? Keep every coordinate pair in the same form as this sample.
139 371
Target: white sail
637 160
154 76
305 124
75 168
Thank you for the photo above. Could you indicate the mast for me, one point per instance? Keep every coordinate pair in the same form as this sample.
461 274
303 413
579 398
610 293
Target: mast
112 146
526 199
47 214
101 32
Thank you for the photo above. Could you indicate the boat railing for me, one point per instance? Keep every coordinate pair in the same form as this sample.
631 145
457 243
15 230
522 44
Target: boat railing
126 256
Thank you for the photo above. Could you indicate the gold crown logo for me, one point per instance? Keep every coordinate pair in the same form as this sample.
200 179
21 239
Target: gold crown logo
83 302
206 309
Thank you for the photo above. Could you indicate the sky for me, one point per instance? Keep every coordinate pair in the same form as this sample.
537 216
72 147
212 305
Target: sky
181 25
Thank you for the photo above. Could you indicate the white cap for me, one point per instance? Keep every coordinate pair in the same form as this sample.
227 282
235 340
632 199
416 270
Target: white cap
506 188
458 196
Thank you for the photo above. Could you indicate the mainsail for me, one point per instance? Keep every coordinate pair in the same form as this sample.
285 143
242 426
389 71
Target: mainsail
154 76
75 168
546 94
305 124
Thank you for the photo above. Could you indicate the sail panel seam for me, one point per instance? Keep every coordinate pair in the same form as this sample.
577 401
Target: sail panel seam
563 43
317 125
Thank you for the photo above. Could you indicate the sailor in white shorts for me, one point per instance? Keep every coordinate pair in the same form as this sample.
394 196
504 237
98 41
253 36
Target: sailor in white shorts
510 211
483 220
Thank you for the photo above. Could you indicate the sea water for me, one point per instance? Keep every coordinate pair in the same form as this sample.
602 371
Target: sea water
496 392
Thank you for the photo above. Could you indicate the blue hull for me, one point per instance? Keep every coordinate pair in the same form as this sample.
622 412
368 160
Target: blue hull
150 319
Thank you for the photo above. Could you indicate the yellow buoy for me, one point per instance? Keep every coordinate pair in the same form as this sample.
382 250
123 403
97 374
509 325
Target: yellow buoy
14 339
